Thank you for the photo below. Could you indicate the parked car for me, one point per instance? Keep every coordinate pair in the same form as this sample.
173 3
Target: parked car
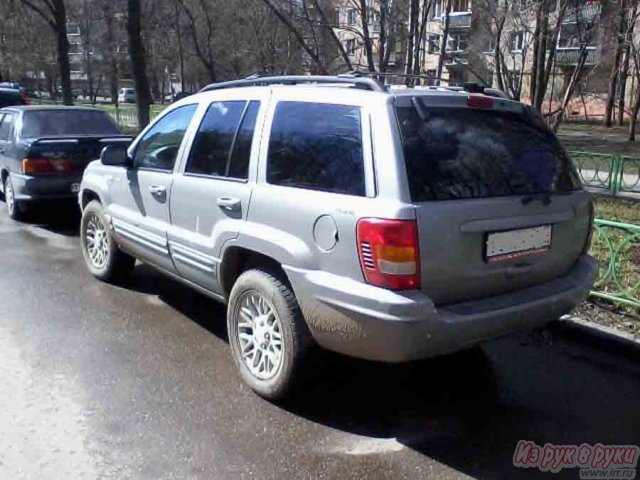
389 226
44 150
10 97
127 95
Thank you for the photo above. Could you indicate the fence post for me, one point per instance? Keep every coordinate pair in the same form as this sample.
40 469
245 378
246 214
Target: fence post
617 175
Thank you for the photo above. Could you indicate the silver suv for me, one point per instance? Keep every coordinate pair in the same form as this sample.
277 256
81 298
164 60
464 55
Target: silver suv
386 225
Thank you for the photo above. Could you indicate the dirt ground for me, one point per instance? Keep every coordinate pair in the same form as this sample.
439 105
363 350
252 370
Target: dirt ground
596 138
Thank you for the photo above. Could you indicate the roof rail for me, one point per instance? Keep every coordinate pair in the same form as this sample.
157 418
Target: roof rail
260 81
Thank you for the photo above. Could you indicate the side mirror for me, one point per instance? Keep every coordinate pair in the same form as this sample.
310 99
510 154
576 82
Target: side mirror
115 156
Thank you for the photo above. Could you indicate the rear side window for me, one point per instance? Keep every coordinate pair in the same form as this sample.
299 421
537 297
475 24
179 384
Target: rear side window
8 99
461 153
222 146
46 123
317 146
6 122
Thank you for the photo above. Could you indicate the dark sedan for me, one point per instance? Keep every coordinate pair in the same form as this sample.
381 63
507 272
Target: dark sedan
44 151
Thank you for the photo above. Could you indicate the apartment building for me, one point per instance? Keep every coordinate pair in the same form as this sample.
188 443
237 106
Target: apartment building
470 49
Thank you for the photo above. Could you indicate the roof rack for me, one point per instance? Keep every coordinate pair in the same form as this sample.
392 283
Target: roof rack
261 81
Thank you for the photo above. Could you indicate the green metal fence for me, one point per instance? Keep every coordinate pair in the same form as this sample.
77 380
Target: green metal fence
617 247
609 174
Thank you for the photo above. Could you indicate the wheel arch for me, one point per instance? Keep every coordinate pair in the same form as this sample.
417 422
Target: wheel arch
238 259
87 196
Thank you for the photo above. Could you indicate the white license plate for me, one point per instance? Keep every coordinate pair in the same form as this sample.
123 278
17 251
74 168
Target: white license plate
518 243
75 187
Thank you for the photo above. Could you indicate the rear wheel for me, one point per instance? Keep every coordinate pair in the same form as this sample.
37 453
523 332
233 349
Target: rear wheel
103 257
267 333
15 208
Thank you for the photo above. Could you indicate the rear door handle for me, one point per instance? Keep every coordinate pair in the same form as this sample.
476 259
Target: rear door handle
158 190
229 204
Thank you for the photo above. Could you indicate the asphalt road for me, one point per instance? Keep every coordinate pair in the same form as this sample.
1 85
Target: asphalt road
136 381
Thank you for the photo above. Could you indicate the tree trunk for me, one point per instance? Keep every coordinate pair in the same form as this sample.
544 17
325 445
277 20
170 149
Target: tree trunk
138 61
62 42
366 35
615 71
497 54
634 116
541 58
537 39
624 74
414 11
445 38
573 83
426 10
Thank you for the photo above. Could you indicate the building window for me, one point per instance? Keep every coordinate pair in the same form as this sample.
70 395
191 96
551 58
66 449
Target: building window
75 49
352 16
433 45
458 42
350 46
572 35
73 28
373 19
460 6
517 41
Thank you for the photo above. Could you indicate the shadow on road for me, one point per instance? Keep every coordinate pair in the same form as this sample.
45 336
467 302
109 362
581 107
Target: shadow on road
62 218
467 410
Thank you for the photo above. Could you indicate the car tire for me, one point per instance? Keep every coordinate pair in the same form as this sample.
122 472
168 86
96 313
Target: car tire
101 253
15 208
262 306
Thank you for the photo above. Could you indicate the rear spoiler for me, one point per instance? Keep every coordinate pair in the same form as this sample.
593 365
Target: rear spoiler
60 140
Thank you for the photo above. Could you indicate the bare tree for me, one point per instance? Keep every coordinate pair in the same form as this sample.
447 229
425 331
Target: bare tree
55 14
138 60
445 39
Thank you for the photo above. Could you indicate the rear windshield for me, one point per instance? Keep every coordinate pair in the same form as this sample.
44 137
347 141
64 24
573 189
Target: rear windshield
44 123
460 153
8 99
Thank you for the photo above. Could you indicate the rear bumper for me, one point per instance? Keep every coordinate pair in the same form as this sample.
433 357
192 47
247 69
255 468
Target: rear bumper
27 187
364 321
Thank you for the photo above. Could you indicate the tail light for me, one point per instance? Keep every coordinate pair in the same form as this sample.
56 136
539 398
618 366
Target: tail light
480 101
592 217
389 254
34 166
25 97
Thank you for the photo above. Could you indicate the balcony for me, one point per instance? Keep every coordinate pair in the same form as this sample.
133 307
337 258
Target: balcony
458 57
583 13
458 20
569 56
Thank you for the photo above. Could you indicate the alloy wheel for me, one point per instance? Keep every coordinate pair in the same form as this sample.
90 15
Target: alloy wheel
9 196
259 336
97 241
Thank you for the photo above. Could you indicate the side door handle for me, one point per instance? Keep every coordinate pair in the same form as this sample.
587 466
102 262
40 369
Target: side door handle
158 190
229 204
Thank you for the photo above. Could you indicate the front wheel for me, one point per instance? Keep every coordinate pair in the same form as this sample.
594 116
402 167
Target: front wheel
103 257
267 333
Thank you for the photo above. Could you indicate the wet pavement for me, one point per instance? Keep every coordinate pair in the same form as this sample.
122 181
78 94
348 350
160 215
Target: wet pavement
136 381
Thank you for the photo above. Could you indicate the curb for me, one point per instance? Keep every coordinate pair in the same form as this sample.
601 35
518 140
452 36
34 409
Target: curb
600 332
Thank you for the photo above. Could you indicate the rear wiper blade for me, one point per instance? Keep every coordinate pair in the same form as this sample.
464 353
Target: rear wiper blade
545 198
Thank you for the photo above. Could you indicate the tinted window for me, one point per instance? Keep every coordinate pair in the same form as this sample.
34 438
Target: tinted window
457 153
8 99
5 126
210 154
159 147
317 146
239 166
46 123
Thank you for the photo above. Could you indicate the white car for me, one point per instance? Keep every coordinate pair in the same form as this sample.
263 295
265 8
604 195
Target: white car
127 95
